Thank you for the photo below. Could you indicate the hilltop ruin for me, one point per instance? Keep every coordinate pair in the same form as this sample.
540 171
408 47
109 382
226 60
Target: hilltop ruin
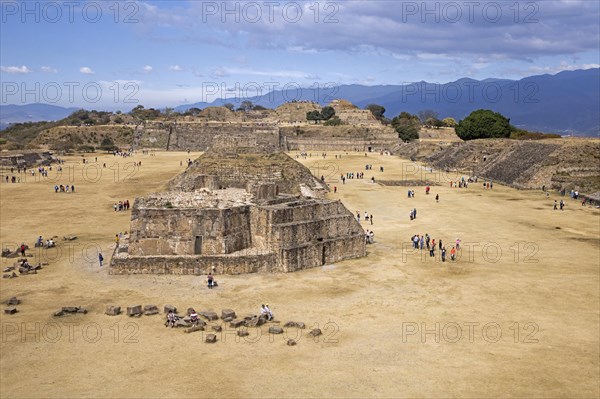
285 128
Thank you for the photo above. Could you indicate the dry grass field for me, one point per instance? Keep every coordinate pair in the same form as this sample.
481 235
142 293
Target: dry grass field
516 316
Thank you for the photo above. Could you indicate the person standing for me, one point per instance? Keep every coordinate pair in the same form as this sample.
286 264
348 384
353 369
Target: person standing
100 258
210 280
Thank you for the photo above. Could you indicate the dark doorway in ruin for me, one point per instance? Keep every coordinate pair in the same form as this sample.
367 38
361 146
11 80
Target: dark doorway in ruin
370 149
198 245
323 260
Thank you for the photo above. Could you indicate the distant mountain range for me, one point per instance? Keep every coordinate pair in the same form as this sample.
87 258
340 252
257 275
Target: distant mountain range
32 113
565 103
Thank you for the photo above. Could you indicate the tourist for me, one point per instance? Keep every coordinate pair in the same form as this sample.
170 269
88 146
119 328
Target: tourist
443 253
458 243
453 253
437 198
171 319
371 220
210 280
264 310
100 258
562 205
440 245
194 317
22 249
555 205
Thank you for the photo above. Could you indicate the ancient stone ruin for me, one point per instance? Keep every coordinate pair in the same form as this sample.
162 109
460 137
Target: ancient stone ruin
285 128
241 207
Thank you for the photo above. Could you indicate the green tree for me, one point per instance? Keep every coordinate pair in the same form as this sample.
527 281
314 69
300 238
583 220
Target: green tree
376 110
314 116
482 124
449 122
335 121
407 126
229 106
107 144
434 122
246 106
327 113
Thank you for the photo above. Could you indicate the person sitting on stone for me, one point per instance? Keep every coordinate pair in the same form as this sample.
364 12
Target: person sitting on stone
171 319
264 310
194 317
268 312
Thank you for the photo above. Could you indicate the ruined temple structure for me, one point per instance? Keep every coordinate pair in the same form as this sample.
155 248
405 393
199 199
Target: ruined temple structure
242 207
23 159
285 128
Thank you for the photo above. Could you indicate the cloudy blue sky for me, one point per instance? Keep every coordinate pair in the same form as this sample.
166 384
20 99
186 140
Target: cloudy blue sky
115 55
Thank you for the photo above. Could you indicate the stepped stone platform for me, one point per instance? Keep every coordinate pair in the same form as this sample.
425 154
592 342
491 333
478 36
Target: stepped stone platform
267 215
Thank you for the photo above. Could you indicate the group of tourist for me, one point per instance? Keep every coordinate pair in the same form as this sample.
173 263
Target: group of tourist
424 241
49 243
121 206
60 188
413 214
369 236
462 183
562 205
368 218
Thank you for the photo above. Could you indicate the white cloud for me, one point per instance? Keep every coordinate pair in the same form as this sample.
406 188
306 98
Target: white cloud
147 68
175 68
86 71
15 69
48 69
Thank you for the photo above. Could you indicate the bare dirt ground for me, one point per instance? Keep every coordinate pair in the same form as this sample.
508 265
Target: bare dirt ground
516 316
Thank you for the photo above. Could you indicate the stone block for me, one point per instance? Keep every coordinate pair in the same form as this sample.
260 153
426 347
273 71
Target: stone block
211 339
113 310
135 310
225 313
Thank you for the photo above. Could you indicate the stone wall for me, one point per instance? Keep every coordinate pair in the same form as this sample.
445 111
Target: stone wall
339 138
199 136
25 159
194 265
174 231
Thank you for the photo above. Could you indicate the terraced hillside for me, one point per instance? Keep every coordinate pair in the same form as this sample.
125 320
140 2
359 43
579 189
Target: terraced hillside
568 163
